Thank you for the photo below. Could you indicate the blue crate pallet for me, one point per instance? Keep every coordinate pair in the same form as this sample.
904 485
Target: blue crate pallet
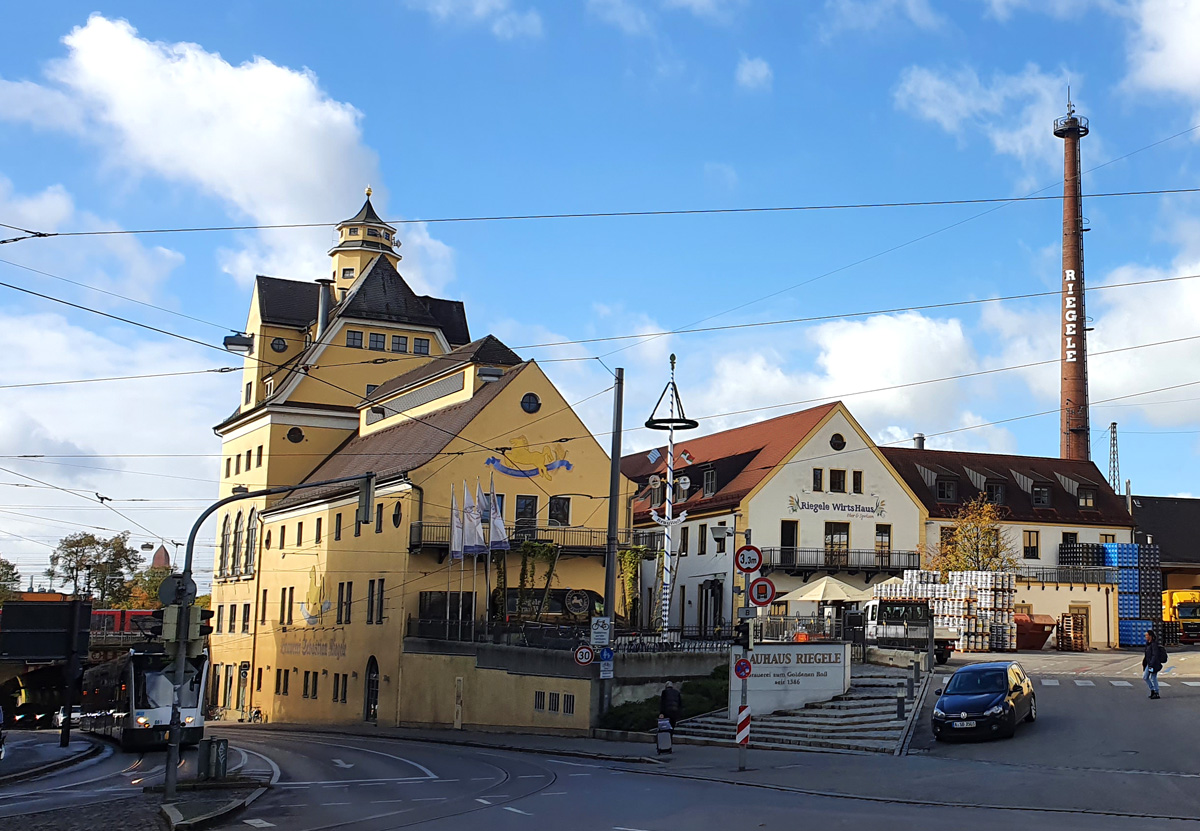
1133 632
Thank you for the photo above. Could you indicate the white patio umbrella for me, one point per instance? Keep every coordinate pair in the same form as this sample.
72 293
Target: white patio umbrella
825 590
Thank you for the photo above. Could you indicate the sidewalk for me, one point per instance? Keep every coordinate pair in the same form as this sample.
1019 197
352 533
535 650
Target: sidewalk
1061 785
29 753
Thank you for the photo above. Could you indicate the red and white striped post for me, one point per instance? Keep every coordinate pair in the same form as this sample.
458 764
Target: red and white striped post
743 725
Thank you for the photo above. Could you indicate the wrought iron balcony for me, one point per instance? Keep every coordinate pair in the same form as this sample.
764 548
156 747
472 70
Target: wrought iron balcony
436 536
1069 575
838 559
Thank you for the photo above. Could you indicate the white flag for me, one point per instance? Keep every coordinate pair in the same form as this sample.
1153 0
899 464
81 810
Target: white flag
499 540
456 528
472 526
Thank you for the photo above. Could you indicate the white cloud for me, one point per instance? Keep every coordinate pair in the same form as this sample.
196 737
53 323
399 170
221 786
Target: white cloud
1016 112
264 139
1003 10
860 15
504 21
718 10
721 174
624 14
1162 50
753 73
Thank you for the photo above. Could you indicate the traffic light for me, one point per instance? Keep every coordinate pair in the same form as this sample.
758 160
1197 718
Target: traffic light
741 634
164 624
198 630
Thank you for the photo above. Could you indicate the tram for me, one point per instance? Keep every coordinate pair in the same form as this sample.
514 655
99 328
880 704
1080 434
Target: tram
129 699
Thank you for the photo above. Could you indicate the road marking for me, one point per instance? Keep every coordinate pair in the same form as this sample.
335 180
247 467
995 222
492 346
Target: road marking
274 767
430 799
572 764
345 782
428 773
384 801
329 804
259 823
1049 682
335 786
1079 683
1120 683
484 801
535 775
553 793
517 811
483 778
578 774
1191 683
342 764
445 780
623 828
1163 684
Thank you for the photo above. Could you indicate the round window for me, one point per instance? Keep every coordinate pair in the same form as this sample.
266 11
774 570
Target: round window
530 403
295 435
396 516
279 345
837 442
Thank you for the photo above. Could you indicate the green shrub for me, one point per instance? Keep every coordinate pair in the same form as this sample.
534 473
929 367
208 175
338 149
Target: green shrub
699 697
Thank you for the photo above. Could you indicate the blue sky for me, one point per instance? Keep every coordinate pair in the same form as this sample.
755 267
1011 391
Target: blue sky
151 115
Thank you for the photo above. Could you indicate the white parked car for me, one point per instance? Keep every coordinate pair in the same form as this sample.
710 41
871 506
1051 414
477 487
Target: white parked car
61 714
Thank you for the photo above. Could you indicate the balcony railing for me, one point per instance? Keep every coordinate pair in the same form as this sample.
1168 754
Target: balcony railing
534 635
1067 574
436 535
841 559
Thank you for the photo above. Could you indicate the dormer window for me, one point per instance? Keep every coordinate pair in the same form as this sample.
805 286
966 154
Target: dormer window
1041 496
386 235
1087 498
371 232
354 339
656 496
399 343
710 482
994 492
353 232
420 346
947 490
347 274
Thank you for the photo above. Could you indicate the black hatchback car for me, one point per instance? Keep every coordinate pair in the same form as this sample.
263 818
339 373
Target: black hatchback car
984 700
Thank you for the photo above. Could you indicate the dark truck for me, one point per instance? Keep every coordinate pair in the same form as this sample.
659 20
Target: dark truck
906 624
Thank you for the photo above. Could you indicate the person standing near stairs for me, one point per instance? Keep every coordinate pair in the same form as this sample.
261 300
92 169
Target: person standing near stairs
671 703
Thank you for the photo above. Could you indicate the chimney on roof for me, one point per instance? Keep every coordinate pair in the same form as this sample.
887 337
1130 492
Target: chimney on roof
322 307
919 441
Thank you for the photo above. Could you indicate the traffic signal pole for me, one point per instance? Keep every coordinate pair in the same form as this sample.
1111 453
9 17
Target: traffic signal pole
366 497
749 647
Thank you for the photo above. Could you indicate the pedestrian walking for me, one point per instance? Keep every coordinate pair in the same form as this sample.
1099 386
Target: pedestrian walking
1152 663
671 703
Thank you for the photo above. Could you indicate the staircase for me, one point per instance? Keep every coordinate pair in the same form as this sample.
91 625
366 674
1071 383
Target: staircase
863 720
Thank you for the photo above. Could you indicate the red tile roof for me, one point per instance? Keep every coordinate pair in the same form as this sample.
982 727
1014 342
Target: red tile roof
742 458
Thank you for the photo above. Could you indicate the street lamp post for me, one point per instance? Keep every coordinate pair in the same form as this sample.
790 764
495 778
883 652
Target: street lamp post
366 496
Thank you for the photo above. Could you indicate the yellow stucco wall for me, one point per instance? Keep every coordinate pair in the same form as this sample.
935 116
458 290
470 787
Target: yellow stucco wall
1056 600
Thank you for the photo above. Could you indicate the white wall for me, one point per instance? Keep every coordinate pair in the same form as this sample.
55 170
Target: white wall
1049 537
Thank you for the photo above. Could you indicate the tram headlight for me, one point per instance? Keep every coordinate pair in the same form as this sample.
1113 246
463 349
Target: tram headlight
189 720
143 721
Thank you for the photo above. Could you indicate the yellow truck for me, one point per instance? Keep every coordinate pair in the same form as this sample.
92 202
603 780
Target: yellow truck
1183 606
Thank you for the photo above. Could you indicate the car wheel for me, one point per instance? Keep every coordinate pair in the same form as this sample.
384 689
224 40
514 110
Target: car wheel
1032 716
942 657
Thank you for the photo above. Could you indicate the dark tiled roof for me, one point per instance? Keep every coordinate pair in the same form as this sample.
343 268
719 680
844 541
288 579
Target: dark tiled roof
488 350
365 214
1174 524
382 294
452 317
287 302
397 449
972 469
742 457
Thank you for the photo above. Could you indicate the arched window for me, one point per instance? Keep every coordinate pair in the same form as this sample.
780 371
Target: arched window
238 528
251 540
223 562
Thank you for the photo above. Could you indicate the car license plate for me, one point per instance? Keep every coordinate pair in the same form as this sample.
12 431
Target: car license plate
960 724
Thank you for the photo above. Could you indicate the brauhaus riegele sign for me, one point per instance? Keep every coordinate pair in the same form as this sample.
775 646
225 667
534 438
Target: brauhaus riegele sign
786 676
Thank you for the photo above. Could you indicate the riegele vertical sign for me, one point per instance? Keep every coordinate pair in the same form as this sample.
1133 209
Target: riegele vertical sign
1070 317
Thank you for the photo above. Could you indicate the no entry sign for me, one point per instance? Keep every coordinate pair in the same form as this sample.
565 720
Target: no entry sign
762 592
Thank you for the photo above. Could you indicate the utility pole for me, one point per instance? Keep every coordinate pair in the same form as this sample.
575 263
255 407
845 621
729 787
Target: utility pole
748 649
614 508
366 497
71 671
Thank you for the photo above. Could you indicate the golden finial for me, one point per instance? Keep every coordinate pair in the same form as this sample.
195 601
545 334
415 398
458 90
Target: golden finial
368 191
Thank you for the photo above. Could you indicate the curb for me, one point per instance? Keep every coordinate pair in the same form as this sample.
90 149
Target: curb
917 704
578 754
176 820
21 775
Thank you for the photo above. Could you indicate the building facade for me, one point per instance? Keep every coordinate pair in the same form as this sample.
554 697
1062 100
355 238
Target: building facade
355 375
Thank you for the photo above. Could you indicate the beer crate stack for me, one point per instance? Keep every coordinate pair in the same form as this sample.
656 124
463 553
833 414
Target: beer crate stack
995 594
1082 555
1139 590
1072 634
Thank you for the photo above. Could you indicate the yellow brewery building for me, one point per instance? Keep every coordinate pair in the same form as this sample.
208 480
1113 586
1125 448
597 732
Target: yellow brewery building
319 617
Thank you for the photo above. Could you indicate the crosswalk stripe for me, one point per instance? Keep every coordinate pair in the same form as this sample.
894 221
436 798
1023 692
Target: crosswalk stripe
1120 683
1163 684
1049 682
1191 683
1085 683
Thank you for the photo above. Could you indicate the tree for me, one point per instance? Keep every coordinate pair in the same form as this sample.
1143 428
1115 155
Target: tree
102 565
10 580
141 591
975 542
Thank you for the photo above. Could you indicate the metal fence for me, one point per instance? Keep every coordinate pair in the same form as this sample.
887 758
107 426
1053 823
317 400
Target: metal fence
840 558
534 635
1067 574
791 628
437 535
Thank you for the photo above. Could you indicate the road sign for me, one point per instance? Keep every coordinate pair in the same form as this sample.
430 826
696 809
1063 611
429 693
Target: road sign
606 670
743 725
742 668
584 654
748 558
762 592
747 613
176 589
601 631
606 653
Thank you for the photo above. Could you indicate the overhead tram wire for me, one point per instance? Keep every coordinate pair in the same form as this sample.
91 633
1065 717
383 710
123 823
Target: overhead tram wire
218 370
761 209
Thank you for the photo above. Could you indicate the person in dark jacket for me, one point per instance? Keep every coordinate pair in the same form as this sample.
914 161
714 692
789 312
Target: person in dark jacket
671 703
1152 663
